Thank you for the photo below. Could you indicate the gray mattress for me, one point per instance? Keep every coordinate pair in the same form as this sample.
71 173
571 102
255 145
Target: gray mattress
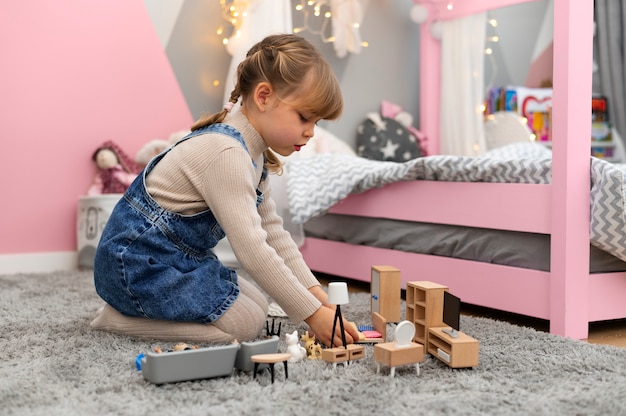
511 248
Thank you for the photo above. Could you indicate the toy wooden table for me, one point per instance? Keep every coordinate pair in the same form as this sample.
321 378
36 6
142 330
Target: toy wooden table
270 359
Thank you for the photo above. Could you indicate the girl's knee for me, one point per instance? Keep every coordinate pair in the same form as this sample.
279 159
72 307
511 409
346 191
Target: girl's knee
252 328
244 320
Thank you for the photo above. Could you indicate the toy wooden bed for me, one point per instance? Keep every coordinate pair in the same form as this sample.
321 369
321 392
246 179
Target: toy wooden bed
568 296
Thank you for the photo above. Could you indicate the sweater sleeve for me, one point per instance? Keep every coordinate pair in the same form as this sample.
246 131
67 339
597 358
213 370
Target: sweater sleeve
255 235
280 239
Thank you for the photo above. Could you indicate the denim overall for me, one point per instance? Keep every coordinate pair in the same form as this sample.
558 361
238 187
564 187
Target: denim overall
158 264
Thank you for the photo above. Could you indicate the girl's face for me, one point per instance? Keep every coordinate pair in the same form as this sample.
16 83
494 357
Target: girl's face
284 127
287 128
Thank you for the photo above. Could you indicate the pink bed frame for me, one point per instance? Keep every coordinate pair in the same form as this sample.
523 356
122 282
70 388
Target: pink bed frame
568 296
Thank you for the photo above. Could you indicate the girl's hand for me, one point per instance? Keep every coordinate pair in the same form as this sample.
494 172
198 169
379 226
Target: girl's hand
321 323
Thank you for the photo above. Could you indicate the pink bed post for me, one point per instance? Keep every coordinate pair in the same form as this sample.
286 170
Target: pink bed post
571 121
569 217
430 83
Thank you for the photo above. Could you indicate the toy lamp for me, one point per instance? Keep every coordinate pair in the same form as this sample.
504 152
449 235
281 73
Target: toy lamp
338 295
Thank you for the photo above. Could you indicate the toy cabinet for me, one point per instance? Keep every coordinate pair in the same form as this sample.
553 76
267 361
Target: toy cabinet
424 307
385 288
458 352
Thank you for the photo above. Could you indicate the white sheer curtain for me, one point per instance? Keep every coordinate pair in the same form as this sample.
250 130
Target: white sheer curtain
263 18
462 85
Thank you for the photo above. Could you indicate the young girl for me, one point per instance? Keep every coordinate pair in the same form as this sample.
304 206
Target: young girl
155 267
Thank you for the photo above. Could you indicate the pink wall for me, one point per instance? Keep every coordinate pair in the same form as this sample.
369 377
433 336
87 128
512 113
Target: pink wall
73 74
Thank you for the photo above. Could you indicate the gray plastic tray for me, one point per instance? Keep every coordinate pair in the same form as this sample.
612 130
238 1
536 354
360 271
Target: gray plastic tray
209 362
170 367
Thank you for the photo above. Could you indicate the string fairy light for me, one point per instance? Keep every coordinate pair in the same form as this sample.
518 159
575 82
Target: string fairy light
493 38
315 7
312 11
318 19
233 12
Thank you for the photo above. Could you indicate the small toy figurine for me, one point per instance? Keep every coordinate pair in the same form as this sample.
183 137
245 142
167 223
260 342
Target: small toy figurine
294 348
270 333
313 349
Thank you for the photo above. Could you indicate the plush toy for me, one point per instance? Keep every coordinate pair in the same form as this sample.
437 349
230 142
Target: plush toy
389 135
115 170
150 150
394 111
156 146
294 348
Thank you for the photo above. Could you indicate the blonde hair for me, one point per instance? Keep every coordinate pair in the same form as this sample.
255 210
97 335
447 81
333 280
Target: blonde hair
285 62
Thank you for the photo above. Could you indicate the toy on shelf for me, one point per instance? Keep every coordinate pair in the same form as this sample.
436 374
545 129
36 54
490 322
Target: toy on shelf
402 351
295 350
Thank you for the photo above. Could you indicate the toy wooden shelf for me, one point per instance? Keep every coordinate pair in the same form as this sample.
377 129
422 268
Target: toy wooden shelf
424 307
458 352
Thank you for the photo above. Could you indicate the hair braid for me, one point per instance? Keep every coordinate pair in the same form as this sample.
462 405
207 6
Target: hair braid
298 73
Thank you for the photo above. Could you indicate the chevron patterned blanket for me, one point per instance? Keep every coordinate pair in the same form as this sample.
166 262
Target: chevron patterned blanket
316 183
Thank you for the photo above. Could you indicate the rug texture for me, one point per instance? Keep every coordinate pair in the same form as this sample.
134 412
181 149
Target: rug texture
53 363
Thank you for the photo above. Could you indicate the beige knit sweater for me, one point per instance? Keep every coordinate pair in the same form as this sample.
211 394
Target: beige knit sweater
214 171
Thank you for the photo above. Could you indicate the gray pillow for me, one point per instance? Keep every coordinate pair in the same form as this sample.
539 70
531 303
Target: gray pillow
383 138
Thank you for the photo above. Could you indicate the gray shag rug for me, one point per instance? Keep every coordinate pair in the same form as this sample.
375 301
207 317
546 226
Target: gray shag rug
53 363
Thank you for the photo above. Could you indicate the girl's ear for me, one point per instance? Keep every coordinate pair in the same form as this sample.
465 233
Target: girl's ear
262 95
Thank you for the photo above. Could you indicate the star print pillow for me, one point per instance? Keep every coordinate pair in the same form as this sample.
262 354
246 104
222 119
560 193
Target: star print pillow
383 138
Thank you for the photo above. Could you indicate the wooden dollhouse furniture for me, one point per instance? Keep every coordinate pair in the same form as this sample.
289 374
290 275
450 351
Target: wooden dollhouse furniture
401 351
567 295
338 295
456 352
379 324
350 352
385 292
270 359
424 307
